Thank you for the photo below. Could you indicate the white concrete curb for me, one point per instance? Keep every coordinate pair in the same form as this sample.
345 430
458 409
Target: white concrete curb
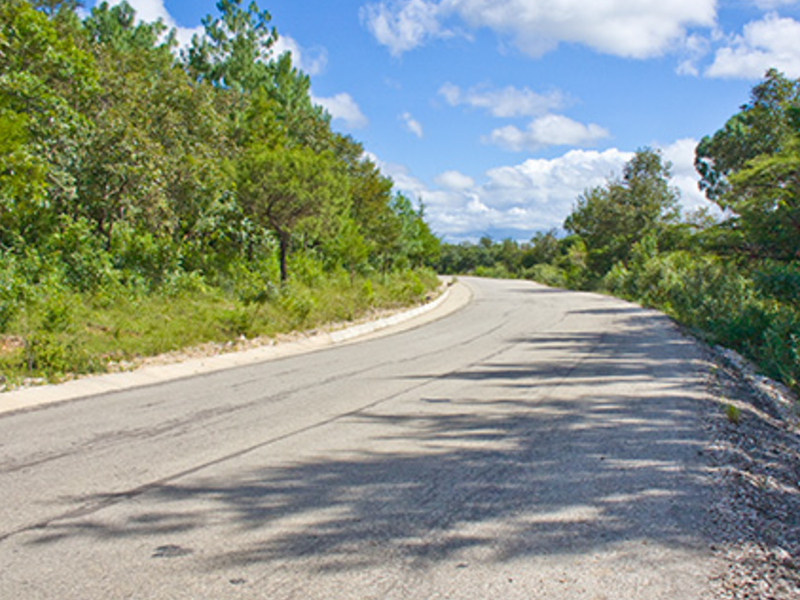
365 328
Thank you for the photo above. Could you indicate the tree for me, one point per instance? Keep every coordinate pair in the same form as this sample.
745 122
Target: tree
750 168
46 83
235 51
767 197
124 166
612 218
762 126
285 186
417 245
544 248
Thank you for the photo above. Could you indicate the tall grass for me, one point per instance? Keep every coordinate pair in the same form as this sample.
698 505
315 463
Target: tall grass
50 331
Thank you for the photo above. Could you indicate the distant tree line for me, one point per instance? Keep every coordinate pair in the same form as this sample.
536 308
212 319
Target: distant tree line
734 279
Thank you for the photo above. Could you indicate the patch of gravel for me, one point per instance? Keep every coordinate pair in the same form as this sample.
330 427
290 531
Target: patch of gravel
755 457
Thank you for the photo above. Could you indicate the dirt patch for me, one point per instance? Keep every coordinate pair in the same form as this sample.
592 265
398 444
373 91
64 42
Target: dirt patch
10 344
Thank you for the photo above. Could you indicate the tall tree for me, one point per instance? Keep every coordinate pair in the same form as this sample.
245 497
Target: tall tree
750 168
612 218
46 83
763 126
284 187
236 49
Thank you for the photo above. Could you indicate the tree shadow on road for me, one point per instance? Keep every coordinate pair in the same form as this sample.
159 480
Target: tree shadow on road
560 457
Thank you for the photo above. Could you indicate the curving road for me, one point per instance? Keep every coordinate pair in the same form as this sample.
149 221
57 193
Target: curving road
536 444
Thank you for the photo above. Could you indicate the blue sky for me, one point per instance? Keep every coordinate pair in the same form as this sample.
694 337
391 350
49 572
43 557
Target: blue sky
497 114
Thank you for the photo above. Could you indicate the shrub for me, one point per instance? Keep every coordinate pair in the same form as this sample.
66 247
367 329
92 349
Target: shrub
497 271
547 275
779 280
79 252
755 315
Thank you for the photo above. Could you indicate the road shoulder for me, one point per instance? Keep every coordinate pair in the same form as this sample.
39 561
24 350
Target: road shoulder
455 296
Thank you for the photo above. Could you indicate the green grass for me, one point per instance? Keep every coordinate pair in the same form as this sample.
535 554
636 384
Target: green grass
64 333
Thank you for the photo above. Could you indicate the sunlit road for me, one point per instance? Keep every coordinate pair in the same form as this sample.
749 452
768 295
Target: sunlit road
535 444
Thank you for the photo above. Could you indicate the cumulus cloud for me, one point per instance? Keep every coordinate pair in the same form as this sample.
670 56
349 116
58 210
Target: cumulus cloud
643 29
695 48
412 124
684 176
504 103
342 107
528 197
770 42
534 195
549 130
402 26
454 180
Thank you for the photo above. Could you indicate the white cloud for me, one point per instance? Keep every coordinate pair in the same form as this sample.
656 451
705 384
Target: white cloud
534 195
342 107
684 176
412 124
402 26
695 47
505 103
642 29
528 197
550 130
454 180
770 42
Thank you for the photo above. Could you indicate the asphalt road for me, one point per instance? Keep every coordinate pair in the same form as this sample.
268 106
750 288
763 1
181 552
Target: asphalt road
536 444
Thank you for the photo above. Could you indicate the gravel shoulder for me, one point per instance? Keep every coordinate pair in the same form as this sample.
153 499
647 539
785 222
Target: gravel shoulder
756 462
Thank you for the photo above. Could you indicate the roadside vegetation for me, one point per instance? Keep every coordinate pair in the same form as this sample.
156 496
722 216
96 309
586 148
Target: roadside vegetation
734 279
152 199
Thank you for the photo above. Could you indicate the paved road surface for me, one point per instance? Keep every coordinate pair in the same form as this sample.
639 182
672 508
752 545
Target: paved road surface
535 444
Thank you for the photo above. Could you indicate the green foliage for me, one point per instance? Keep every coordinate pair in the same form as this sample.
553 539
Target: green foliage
547 274
611 219
760 128
495 272
235 50
416 245
285 188
751 167
767 198
85 263
14 287
150 201
779 280
728 304
46 81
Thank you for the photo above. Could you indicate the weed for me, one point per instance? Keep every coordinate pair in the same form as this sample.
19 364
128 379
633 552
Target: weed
733 413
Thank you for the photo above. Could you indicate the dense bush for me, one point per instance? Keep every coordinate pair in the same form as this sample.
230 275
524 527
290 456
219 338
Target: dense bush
722 302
